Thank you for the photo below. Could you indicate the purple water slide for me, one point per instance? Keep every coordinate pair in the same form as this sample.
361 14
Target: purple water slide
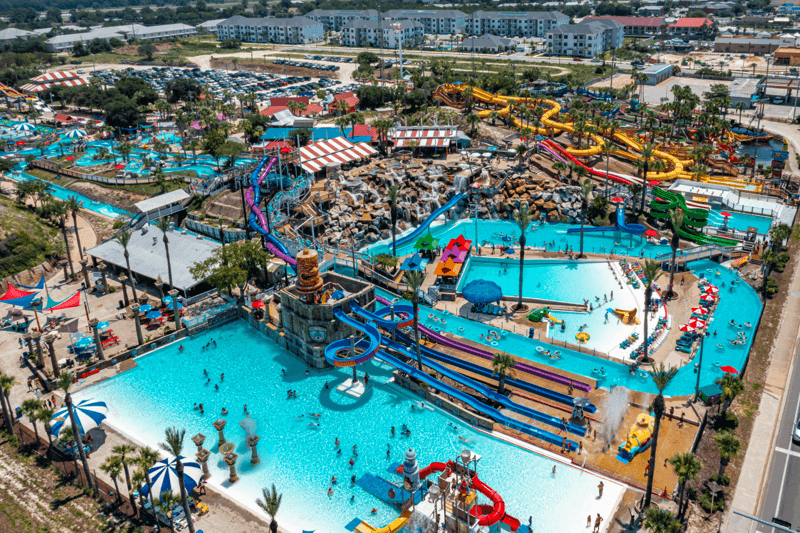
483 354
552 152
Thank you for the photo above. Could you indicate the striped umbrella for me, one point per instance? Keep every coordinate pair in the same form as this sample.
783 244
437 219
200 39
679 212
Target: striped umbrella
707 297
24 126
88 415
164 476
697 323
711 289
700 311
75 134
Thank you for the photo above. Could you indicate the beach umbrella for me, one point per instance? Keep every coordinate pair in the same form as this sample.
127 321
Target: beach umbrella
285 150
481 291
651 233
697 323
729 369
153 314
725 214
119 167
69 158
167 299
687 328
25 126
653 183
84 342
711 289
616 199
19 143
172 306
700 311
75 134
257 304
707 297
102 326
88 415
164 476
146 308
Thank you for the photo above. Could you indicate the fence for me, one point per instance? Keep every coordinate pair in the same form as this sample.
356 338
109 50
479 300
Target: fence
199 320
215 232
200 297
51 166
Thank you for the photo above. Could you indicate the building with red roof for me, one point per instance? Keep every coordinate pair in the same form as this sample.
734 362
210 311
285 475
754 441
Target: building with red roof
349 97
693 28
636 26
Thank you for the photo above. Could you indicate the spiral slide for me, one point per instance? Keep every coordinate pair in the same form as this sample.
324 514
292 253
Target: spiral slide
257 220
427 222
368 349
403 313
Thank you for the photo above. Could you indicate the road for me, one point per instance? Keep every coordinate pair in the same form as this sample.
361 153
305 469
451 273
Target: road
783 482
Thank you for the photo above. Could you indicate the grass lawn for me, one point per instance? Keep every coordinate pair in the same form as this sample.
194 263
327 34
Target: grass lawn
28 239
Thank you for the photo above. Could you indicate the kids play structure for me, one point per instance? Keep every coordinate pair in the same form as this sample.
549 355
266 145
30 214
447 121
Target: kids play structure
257 220
538 314
639 437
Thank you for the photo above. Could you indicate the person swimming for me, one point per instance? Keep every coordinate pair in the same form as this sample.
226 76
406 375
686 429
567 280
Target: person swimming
224 411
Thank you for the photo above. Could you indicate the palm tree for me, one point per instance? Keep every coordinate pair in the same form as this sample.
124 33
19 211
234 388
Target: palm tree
174 445
392 193
661 377
113 468
74 207
125 150
137 480
164 504
65 381
473 120
731 386
123 452
660 521
560 167
6 384
123 237
676 218
727 446
523 217
30 408
586 189
635 190
415 279
647 154
494 115
44 415
501 363
145 461
270 505
194 145
58 210
686 466
163 224
608 148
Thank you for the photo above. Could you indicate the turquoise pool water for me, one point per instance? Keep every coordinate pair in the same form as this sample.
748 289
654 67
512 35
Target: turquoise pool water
740 221
739 303
762 152
299 459
556 236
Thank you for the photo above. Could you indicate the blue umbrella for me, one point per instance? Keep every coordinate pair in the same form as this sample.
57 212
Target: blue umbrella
172 306
153 314
146 308
78 335
84 342
25 126
88 415
167 299
102 326
481 291
75 134
164 476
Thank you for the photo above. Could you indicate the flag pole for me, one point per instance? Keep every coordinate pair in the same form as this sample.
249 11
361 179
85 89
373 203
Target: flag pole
86 304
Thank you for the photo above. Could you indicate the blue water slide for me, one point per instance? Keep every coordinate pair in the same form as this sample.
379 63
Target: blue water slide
558 397
334 349
472 402
635 229
402 312
480 388
427 222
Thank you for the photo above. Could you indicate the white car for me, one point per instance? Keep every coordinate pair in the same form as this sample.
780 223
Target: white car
796 432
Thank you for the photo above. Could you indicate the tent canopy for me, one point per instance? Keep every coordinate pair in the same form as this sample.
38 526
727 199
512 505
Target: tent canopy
426 242
448 268
413 263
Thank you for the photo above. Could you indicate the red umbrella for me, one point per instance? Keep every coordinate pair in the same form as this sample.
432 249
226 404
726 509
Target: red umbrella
651 233
20 142
687 327
285 150
725 214
700 311
653 183
69 158
697 323
707 297
257 304
711 289
119 167
616 199
729 369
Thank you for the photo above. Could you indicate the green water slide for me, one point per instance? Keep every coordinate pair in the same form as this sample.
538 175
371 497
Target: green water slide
664 202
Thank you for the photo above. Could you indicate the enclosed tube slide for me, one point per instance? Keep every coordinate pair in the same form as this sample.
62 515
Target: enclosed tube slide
257 219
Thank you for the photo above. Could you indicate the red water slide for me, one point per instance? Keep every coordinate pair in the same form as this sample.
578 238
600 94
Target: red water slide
431 468
489 515
591 171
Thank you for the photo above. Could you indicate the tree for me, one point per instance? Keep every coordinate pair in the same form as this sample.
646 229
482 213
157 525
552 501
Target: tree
123 453
635 190
6 384
270 504
231 266
174 445
779 234
182 90
57 210
523 217
415 279
586 189
165 503
113 468
727 446
392 193
732 386
231 150
676 218
661 378
65 381
686 466
44 415
559 167
30 408
123 238
121 112
164 224
145 461
74 207
501 363
660 521
147 50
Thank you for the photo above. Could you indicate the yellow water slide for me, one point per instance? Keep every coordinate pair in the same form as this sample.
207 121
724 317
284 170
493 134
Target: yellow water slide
396 525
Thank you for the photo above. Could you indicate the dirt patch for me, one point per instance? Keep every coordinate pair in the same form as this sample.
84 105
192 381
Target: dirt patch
272 68
117 197
133 50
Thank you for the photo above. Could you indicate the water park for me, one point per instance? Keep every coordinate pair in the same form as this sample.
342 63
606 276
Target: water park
506 334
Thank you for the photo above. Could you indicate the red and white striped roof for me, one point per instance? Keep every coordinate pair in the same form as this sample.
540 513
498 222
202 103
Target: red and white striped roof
423 143
50 77
36 87
337 151
424 133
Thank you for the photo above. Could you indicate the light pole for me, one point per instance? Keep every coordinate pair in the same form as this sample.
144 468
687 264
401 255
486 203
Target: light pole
764 98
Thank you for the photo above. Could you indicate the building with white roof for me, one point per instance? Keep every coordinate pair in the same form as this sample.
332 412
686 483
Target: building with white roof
129 32
372 32
9 35
587 39
297 30
209 26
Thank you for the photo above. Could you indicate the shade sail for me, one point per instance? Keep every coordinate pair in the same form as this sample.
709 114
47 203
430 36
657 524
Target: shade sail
426 243
448 268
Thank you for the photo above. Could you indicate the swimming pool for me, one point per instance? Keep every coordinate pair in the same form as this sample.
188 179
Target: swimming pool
299 459
739 303
761 152
740 221
492 231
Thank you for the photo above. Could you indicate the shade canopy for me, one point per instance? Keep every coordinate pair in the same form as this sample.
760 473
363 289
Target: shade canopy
481 291
426 243
75 134
458 256
729 369
413 263
84 342
687 327
702 311
88 415
697 323
153 314
257 304
171 305
103 326
711 289
448 268
708 297
146 308
461 243
164 476
25 126
651 233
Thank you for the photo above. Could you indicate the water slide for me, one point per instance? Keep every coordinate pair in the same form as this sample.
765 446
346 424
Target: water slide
403 313
482 389
257 220
553 154
634 229
394 526
419 230
557 397
345 346
665 201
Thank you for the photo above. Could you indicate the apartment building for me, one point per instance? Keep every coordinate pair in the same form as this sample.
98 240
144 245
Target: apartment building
336 20
693 28
371 32
442 21
486 44
297 30
636 26
129 32
586 39
509 24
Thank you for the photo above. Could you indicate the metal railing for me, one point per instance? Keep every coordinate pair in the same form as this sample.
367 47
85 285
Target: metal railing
696 252
200 297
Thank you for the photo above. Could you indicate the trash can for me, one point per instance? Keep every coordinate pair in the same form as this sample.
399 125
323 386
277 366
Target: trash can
18 410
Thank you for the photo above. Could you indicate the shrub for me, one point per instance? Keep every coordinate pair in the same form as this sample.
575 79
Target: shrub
772 286
705 502
112 288
724 480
